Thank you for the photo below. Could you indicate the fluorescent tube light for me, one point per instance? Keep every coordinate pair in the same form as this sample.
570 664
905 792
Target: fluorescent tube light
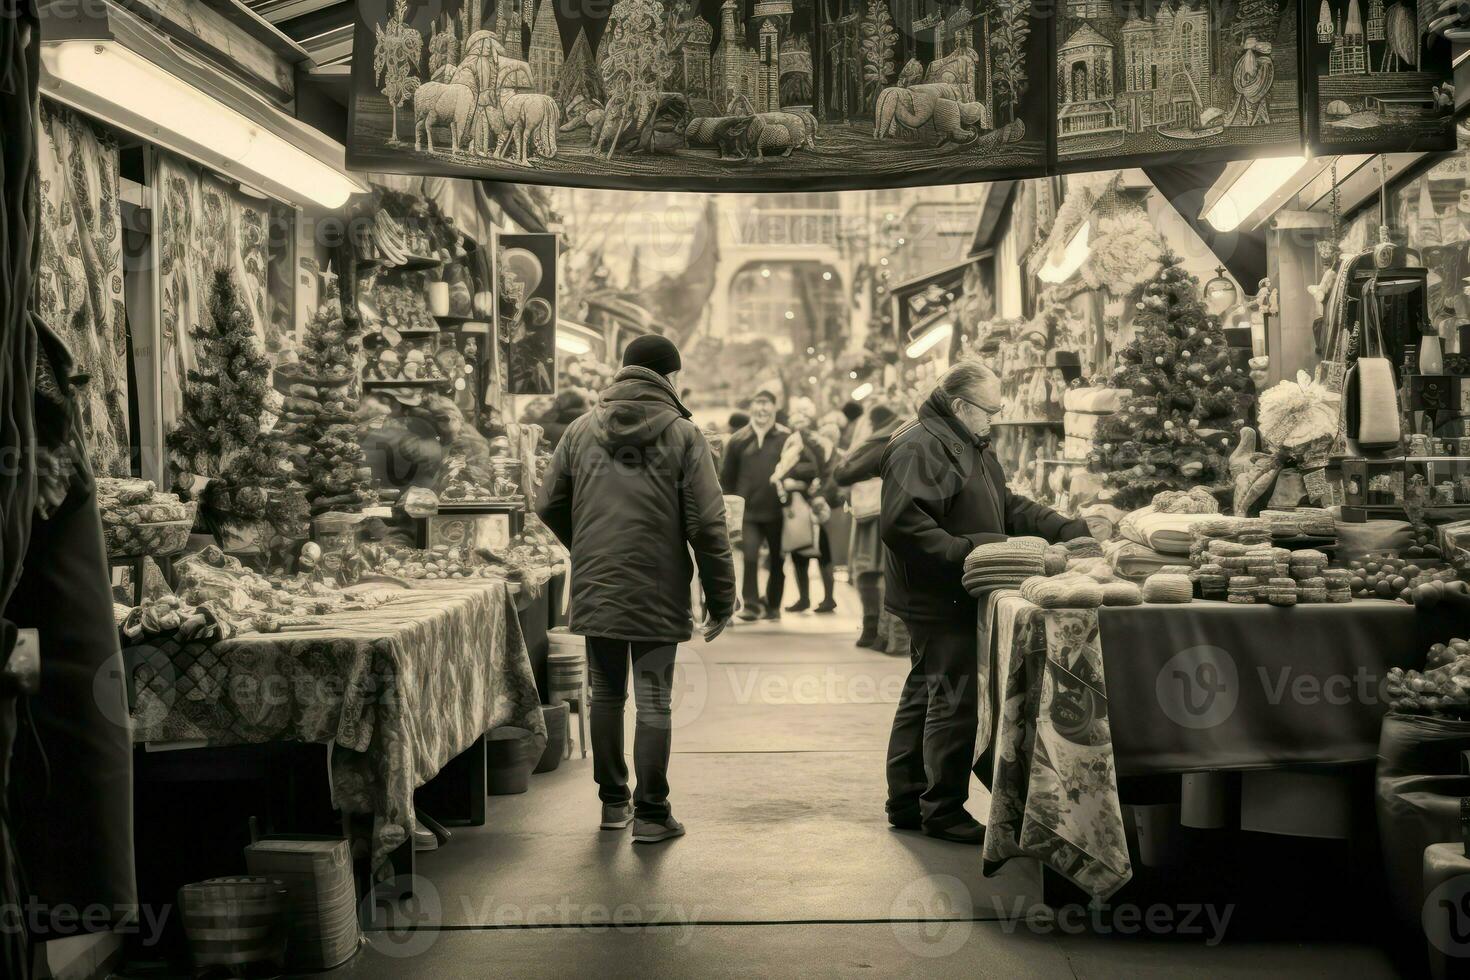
935 335
862 391
107 79
1073 256
1252 189
571 344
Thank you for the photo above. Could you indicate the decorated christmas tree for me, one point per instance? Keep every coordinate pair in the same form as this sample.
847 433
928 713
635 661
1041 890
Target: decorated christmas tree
219 434
319 416
1176 429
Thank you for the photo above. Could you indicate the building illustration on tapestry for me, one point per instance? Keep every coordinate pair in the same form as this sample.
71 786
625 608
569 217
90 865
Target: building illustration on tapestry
713 88
1189 75
1380 77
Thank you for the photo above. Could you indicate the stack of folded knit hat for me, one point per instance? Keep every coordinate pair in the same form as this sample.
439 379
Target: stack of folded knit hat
1168 588
1004 564
1063 592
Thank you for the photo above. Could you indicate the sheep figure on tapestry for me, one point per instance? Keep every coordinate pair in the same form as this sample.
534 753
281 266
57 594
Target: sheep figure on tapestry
437 102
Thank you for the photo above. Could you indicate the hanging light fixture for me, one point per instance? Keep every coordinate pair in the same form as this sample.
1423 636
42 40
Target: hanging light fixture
1220 293
1077 250
929 339
862 391
1252 188
108 79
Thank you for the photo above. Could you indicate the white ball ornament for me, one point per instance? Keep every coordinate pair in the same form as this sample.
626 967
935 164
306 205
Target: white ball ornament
1158 360
1168 424
1194 423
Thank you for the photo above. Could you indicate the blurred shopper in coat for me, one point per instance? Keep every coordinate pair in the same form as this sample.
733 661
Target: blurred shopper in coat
748 472
865 553
632 488
944 493
820 453
570 405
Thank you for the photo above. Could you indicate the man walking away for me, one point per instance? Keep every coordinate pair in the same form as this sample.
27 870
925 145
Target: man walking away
944 493
631 489
750 463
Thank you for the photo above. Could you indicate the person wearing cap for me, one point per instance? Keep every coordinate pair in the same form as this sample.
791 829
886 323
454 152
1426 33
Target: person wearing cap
852 413
944 493
865 550
570 405
632 489
748 471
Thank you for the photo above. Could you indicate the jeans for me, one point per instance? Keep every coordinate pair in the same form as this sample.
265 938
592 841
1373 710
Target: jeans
753 534
653 682
932 747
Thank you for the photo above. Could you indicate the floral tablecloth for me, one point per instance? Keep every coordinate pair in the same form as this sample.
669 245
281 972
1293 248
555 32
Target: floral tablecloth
397 691
1054 787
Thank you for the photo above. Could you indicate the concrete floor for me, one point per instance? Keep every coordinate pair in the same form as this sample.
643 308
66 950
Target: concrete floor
788 868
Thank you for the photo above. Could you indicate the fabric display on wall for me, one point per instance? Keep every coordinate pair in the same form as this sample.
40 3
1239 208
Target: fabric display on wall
205 224
1206 80
702 94
1375 79
79 277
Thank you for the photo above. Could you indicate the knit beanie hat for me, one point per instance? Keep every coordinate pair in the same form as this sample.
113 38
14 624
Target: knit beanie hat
881 415
852 411
653 352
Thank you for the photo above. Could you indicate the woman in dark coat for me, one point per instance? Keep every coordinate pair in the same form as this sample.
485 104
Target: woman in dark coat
865 553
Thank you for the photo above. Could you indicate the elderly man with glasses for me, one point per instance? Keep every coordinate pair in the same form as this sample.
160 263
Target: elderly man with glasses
944 493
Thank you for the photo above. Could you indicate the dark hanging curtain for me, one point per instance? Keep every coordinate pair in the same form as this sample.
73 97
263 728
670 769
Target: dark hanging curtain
19 51
68 772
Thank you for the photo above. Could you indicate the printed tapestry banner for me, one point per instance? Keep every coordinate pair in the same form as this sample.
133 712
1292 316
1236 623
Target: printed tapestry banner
525 311
713 95
1376 80
1179 80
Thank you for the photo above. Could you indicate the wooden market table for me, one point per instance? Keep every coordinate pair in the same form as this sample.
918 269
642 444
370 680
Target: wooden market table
1073 700
396 693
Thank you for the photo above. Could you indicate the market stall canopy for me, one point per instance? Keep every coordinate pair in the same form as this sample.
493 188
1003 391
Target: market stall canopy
112 64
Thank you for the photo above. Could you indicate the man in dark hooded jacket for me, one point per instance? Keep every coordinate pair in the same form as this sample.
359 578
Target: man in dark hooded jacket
631 489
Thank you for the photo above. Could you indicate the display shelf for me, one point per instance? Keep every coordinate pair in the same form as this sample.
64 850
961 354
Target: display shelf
450 321
1058 461
406 382
1033 423
414 263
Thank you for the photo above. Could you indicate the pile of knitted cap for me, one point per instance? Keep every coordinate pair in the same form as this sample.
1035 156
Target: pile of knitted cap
1004 564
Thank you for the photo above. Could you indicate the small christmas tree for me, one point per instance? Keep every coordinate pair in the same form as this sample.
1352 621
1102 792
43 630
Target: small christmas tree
319 416
1176 429
219 432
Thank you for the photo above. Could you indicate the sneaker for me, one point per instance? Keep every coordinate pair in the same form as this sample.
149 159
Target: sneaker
904 821
748 615
616 816
424 839
868 640
653 831
826 606
772 615
800 605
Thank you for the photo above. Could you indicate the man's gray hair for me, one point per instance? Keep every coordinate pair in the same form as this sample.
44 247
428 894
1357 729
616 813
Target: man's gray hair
972 381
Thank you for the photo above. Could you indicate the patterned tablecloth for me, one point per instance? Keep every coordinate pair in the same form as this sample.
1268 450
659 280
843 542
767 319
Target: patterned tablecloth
1054 787
397 692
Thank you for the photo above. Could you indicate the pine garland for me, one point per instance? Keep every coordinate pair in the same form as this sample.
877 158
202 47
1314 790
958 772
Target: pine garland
1177 428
